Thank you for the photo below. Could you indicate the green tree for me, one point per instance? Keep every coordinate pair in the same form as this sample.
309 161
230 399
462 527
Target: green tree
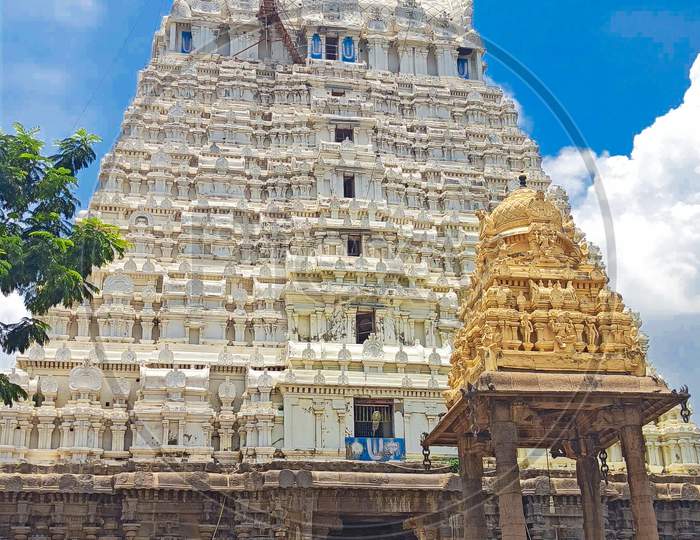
45 254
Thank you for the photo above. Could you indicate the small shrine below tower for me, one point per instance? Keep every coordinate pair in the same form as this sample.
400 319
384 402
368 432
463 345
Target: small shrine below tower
548 357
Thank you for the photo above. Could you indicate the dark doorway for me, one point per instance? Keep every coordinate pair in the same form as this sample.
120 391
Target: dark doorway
356 528
354 246
349 186
365 326
344 134
331 48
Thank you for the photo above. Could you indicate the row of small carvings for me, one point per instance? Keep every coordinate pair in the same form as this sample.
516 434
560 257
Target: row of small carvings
275 214
479 155
364 101
283 197
298 132
222 119
423 193
441 113
158 222
203 70
133 156
300 77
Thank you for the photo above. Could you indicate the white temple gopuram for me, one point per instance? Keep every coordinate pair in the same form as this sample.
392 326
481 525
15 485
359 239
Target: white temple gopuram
299 182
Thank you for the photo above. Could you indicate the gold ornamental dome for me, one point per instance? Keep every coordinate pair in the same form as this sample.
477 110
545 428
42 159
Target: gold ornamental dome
521 208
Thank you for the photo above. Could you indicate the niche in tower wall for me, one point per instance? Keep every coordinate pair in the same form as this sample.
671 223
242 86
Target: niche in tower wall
331 47
374 418
344 134
365 325
354 246
349 186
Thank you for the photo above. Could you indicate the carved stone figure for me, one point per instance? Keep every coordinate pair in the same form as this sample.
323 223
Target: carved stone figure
526 330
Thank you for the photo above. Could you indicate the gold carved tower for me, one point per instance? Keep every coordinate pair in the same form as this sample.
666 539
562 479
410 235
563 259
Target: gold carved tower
548 357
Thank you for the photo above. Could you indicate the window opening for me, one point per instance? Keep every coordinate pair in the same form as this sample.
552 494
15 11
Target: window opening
331 48
342 134
364 323
354 246
349 186
374 418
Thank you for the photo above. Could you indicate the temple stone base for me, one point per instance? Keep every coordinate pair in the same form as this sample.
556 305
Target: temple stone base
306 500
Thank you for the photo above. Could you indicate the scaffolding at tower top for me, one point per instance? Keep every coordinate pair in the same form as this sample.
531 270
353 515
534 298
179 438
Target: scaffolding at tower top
273 13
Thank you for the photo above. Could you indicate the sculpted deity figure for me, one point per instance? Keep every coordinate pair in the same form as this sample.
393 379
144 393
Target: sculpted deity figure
335 323
564 333
544 241
490 341
592 334
526 330
570 292
502 295
389 328
557 295
430 332
502 250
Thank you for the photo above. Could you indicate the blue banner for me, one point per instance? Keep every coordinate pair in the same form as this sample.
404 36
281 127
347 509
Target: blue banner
186 42
463 67
316 51
348 50
374 449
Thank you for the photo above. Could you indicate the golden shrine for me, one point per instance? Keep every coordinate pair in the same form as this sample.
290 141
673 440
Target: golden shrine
548 357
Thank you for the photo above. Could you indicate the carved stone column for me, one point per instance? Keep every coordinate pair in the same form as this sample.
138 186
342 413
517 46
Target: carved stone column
504 435
472 471
641 498
588 477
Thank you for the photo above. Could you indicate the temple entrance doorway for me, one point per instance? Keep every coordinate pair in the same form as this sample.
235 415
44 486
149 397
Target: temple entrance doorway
378 528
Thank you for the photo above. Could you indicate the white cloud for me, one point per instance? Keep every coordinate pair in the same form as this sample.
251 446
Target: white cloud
569 170
654 199
11 310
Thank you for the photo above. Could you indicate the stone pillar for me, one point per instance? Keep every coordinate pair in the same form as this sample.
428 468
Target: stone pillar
45 429
504 435
472 470
118 432
478 60
378 54
421 61
588 477
406 60
318 410
629 421
341 430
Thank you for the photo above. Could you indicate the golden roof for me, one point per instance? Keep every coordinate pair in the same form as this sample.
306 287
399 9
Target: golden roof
538 302
521 208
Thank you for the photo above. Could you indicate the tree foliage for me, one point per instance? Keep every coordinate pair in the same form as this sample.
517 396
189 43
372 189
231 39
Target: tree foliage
45 254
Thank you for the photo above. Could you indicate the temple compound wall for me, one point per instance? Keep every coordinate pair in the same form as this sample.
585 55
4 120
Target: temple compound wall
307 501
300 191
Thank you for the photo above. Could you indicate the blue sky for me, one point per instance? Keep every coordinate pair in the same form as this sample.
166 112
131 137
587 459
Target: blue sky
616 67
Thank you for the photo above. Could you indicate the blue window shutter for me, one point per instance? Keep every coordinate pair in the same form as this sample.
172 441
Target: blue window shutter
348 50
186 42
463 67
316 48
